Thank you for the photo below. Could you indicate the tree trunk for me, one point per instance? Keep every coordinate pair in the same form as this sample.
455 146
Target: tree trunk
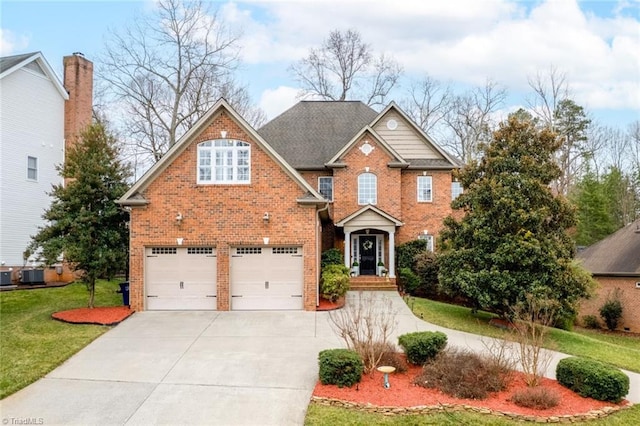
92 292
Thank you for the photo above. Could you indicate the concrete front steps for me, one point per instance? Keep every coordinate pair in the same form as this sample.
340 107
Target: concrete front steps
372 283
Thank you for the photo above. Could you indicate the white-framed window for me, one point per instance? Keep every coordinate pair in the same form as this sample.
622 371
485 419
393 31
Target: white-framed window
325 187
425 189
367 189
428 239
32 168
456 190
224 161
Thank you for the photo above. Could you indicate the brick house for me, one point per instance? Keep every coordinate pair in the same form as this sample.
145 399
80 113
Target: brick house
614 263
234 218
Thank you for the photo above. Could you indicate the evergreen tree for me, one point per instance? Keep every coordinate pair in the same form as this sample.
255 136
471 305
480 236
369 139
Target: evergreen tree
512 241
594 206
85 225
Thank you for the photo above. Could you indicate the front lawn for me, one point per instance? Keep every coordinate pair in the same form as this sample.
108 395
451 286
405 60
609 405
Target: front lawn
318 415
619 350
32 342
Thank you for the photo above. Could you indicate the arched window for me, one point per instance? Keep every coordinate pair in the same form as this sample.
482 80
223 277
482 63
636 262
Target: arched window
224 161
367 189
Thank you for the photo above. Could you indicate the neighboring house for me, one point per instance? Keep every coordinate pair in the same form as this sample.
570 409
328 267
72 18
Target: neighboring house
234 218
34 125
32 145
615 265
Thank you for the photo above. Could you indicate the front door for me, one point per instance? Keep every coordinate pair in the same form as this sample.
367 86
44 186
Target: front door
367 248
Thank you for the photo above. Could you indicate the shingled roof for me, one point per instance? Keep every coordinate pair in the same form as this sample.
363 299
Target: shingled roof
8 62
310 133
618 254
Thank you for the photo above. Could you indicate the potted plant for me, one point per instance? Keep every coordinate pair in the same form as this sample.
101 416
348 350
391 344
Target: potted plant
355 268
381 268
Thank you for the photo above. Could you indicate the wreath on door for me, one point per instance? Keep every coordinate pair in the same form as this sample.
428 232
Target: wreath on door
367 245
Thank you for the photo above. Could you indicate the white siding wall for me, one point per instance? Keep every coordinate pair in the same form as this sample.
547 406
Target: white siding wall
404 139
31 124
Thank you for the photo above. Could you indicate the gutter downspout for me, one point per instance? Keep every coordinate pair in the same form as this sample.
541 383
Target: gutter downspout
318 250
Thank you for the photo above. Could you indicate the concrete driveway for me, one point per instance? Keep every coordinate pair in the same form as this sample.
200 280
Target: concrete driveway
208 368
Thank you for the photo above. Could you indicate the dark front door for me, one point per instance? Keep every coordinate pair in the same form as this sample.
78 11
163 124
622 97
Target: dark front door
367 247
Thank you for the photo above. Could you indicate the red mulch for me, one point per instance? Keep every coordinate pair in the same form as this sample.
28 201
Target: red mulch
110 315
327 305
403 393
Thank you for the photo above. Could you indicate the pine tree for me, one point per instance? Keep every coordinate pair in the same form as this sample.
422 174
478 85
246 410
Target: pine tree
594 206
512 241
85 225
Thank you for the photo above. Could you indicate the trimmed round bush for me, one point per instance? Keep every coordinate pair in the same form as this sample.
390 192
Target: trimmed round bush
341 367
592 379
422 346
335 282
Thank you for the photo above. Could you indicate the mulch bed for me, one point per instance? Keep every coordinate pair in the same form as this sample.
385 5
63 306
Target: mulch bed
110 315
403 393
328 305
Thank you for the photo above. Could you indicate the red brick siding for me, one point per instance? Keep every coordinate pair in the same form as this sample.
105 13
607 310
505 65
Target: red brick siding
223 215
629 296
78 80
418 216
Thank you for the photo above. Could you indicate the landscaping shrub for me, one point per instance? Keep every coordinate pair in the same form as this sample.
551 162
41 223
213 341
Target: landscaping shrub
341 367
590 321
331 257
592 379
538 398
611 311
335 282
422 346
406 253
409 281
426 268
463 374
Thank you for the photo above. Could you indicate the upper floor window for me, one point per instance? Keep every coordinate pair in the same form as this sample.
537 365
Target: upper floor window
32 168
224 161
456 190
428 240
425 189
367 188
325 187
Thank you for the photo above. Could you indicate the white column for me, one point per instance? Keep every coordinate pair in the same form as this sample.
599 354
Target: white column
347 249
392 254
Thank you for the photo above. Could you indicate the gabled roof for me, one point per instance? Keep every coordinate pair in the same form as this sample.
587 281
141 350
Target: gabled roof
310 133
133 197
449 160
10 64
618 254
398 160
365 209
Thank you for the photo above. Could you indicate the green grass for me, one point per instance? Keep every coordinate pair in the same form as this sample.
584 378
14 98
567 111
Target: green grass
318 415
32 342
619 350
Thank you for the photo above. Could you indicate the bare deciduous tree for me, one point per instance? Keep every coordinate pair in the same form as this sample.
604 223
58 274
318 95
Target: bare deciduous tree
470 119
428 104
344 68
548 90
166 69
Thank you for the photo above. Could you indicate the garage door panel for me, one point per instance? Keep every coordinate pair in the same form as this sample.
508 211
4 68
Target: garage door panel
264 278
181 278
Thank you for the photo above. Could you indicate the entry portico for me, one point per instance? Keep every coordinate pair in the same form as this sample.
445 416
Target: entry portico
364 232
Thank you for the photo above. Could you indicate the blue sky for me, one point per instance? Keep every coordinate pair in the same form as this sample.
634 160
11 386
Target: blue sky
460 42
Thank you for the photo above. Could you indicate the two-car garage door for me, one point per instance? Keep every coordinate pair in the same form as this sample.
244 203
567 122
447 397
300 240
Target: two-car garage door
261 278
181 278
266 278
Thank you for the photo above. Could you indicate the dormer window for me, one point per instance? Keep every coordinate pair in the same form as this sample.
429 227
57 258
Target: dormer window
224 161
367 189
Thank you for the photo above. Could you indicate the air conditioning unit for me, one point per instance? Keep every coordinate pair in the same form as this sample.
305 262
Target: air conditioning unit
32 276
5 278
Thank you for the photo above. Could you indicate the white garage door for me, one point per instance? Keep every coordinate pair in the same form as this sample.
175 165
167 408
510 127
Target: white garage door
266 278
180 278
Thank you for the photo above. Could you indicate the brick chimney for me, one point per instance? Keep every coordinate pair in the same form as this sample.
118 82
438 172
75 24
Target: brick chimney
78 80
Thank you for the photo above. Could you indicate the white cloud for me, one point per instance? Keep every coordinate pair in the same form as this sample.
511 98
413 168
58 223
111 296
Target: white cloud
11 43
275 101
464 41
